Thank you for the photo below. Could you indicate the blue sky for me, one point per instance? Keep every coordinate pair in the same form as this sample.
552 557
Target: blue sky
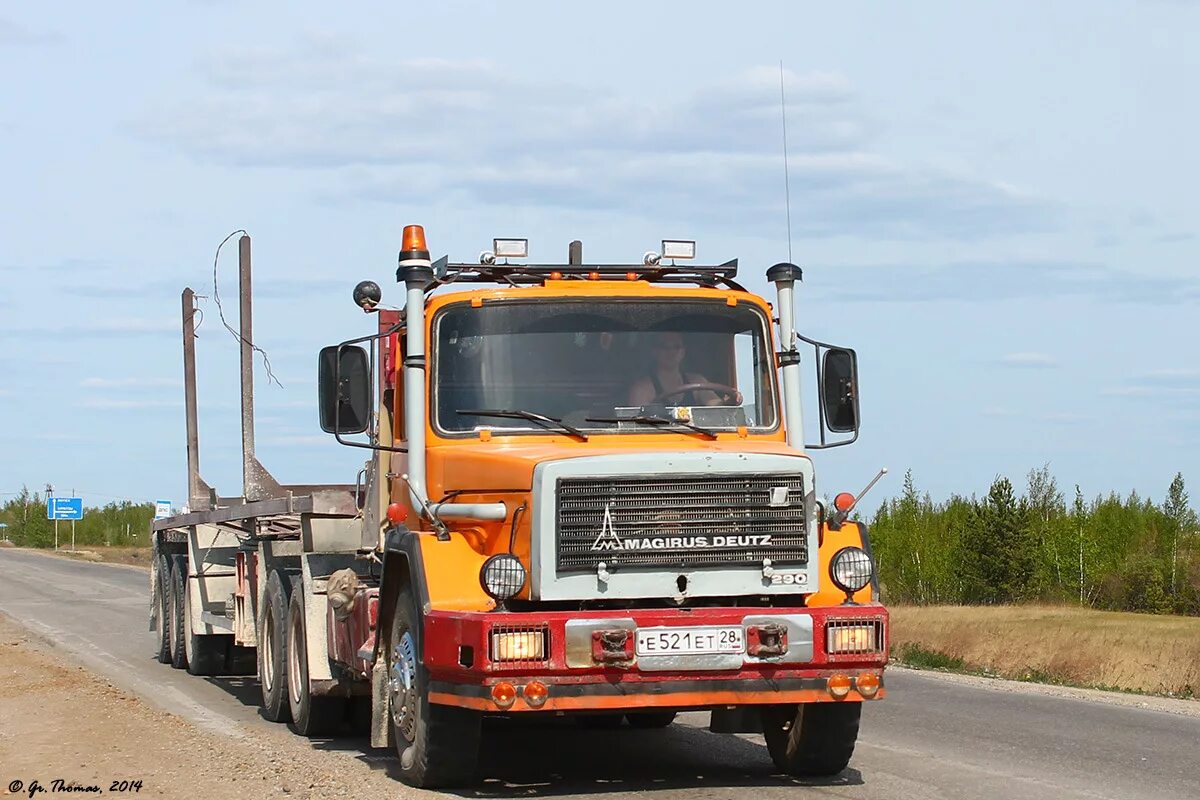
993 202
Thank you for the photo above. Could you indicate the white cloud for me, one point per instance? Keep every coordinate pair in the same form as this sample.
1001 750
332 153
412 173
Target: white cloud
470 130
14 35
1034 360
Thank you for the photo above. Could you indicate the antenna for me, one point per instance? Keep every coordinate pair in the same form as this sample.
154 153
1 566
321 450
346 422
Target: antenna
787 188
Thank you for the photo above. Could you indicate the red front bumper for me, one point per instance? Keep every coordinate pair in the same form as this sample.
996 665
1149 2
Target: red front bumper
459 656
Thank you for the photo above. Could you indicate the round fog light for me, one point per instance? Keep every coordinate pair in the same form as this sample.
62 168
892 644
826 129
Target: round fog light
839 686
535 694
504 694
502 576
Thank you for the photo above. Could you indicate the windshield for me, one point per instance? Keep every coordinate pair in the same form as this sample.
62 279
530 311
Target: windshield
603 365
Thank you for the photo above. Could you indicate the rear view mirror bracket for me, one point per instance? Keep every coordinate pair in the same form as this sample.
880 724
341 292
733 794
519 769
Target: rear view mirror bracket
335 390
837 393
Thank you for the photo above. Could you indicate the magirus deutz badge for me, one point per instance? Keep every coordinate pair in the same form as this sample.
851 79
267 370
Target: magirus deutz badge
609 539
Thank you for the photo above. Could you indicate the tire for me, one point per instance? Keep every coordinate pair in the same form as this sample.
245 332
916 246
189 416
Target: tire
205 653
650 719
272 648
162 608
812 739
311 716
438 745
175 613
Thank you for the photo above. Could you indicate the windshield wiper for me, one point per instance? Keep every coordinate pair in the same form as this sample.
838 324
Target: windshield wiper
540 419
649 419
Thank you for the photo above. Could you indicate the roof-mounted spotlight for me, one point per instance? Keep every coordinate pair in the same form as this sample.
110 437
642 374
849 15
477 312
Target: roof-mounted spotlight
487 258
678 248
651 258
510 248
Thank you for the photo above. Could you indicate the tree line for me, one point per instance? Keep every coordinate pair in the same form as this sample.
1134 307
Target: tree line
118 523
1110 552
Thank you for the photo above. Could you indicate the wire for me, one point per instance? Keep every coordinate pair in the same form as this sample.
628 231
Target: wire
787 188
221 311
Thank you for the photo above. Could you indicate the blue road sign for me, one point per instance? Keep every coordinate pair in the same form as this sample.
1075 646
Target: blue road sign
64 508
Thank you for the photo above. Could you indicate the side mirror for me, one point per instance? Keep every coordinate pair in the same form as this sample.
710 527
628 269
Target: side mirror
839 390
344 389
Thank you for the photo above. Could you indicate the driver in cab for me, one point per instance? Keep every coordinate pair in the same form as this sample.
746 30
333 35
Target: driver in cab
665 381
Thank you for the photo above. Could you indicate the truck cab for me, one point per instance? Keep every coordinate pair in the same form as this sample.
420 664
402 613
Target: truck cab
594 500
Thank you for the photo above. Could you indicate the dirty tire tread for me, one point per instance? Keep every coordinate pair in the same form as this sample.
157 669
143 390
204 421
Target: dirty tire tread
820 742
446 750
177 582
275 706
311 716
162 600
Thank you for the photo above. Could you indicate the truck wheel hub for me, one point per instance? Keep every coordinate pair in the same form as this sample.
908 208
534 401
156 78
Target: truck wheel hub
403 687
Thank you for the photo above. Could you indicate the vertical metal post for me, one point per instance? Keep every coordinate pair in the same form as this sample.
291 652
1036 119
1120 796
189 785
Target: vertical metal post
246 324
198 491
575 253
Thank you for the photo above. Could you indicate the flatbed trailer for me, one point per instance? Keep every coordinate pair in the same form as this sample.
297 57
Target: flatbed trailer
627 559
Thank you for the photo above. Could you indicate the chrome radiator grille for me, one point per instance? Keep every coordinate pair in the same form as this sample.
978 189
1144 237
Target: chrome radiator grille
680 521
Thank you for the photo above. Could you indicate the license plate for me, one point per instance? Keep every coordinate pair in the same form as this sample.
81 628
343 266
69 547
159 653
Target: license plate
675 641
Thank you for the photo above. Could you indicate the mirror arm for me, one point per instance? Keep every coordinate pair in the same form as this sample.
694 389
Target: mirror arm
824 444
373 445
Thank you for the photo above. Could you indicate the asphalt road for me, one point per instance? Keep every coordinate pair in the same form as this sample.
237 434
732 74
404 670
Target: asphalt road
933 737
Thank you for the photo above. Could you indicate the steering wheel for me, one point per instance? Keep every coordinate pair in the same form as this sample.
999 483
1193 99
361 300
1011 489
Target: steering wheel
719 389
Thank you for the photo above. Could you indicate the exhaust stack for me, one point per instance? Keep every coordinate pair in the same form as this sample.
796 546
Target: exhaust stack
784 276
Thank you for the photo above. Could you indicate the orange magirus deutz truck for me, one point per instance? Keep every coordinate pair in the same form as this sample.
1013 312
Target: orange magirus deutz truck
585 493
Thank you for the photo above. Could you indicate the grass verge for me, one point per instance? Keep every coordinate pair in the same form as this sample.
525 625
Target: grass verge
1063 646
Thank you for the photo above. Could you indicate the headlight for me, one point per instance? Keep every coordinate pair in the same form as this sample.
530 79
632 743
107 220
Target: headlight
518 645
851 569
502 576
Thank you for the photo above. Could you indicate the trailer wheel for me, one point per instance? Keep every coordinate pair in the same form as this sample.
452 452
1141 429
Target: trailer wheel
811 739
162 608
205 653
650 719
272 649
438 745
178 586
311 716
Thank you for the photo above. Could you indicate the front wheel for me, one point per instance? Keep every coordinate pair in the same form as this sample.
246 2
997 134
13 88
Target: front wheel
438 745
811 739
